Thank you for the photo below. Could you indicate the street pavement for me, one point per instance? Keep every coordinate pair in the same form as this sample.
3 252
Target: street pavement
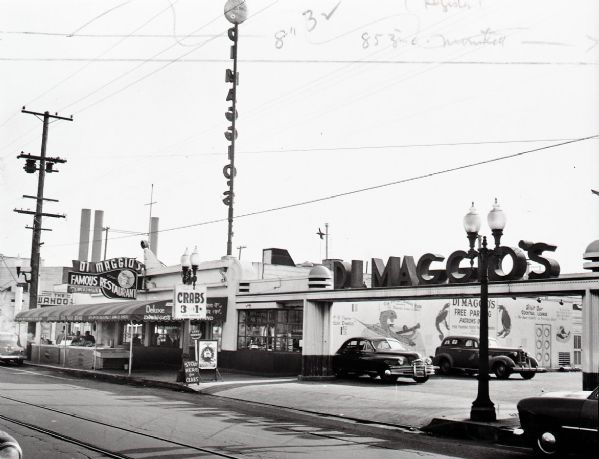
440 406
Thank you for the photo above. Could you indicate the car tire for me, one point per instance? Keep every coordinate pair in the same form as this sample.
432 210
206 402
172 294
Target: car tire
340 373
387 378
445 367
543 447
421 379
527 375
501 370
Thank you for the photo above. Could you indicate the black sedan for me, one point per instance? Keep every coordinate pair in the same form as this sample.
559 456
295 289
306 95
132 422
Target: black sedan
384 357
557 423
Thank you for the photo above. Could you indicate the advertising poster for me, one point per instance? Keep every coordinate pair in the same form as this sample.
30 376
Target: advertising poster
207 354
544 328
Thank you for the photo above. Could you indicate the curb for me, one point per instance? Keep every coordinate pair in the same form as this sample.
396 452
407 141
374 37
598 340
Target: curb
119 379
498 432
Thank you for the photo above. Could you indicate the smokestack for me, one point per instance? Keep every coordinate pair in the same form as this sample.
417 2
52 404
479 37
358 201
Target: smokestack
86 215
154 235
97 241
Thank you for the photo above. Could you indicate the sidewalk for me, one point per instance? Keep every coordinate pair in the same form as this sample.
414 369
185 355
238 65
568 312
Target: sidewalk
416 407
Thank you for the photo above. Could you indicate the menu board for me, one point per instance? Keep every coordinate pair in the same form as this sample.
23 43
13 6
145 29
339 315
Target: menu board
216 309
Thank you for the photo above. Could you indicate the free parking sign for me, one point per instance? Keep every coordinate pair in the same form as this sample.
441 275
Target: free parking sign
189 303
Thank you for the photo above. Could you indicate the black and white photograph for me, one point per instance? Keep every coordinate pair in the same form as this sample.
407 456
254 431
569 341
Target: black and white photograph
299 229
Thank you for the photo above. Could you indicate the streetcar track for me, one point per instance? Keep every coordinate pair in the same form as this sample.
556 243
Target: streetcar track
93 447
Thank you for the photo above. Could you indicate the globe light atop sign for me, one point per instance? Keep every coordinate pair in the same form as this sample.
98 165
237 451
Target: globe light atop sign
236 11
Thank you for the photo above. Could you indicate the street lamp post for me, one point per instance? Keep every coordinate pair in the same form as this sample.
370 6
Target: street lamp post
189 269
483 408
236 13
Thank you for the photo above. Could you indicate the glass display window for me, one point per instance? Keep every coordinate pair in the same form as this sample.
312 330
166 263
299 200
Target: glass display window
165 335
270 330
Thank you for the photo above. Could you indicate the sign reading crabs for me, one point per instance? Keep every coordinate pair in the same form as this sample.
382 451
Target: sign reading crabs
189 303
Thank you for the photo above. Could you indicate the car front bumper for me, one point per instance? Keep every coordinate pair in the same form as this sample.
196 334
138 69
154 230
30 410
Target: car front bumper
6 356
528 369
412 371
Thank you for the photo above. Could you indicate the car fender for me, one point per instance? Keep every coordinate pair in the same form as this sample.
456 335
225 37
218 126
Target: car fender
503 359
439 357
534 363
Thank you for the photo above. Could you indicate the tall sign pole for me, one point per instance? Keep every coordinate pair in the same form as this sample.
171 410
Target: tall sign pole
45 165
236 13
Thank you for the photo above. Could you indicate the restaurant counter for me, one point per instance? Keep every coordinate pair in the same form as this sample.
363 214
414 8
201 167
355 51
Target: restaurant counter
104 357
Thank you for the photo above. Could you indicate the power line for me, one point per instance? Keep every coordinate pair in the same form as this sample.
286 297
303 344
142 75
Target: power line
358 147
370 188
287 61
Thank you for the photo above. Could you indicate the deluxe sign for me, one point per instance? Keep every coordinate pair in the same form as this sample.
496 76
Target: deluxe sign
189 303
408 273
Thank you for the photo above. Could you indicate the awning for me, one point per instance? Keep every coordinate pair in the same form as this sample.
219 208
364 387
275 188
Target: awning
136 311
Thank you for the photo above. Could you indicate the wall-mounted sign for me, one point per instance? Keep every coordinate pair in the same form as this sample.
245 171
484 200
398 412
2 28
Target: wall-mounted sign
407 272
189 303
114 278
157 312
207 355
54 299
216 309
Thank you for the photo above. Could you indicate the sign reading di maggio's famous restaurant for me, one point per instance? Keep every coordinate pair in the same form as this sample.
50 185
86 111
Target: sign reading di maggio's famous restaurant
114 278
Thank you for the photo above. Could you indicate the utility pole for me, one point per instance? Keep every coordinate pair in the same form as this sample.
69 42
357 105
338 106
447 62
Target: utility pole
151 203
240 248
45 165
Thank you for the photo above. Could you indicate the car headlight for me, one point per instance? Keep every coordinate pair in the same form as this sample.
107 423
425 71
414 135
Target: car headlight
428 361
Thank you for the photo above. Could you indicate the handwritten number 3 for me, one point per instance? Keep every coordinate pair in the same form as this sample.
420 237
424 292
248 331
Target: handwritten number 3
311 22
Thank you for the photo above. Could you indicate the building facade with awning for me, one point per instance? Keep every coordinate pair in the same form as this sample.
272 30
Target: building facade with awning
115 311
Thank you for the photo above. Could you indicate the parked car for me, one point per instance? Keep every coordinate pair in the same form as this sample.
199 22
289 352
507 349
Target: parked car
557 423
384 357
9 447
10 351
461 353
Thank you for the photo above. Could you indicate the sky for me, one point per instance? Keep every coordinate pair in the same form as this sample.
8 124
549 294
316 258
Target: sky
384 120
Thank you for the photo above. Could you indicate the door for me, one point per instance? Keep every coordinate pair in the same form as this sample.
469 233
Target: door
466 356
543 344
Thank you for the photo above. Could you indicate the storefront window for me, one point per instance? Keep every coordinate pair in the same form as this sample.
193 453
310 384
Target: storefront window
135 330
270 330
165 335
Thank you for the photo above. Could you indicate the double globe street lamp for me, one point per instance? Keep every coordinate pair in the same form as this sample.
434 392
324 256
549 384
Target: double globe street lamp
189 269
483 408
189 266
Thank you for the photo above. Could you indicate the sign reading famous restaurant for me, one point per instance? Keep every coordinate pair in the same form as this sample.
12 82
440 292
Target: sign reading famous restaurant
114 278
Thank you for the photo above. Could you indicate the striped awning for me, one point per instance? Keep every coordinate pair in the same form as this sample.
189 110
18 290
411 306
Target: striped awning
135 310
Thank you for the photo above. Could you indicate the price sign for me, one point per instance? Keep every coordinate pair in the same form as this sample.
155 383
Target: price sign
189 303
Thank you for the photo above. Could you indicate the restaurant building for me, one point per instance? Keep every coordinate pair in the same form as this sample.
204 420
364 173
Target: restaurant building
275 317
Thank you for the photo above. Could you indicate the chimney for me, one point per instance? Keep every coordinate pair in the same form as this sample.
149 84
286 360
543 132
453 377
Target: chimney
97 241
84 234
154 235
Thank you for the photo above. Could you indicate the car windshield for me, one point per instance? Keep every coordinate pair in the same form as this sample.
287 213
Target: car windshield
384 344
